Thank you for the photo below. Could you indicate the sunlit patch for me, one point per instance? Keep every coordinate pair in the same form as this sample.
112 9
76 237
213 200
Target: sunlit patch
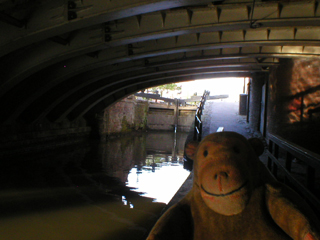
161 184
305 90
126 202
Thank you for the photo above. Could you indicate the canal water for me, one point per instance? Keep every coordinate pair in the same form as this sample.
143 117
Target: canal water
109 190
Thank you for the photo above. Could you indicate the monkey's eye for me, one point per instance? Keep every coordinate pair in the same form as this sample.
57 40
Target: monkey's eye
205 153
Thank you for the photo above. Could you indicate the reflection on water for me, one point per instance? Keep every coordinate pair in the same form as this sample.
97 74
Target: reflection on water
90 191
161 184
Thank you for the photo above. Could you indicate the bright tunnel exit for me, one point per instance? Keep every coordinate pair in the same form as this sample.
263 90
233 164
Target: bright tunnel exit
217 86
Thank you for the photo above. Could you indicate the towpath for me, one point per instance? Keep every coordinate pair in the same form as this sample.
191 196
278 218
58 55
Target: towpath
221 113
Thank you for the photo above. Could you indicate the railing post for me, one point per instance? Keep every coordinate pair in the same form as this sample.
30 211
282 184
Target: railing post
195 128
200 132
269 159
176 114
310 177
197 132
307 186
276 155
289 158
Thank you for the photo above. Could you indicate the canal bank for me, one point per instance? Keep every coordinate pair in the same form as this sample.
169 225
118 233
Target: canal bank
130 115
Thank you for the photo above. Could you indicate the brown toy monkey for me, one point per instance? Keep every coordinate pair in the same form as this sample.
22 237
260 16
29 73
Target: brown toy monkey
235 197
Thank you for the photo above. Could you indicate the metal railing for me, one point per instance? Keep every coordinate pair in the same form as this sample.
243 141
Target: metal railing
197 134
297 167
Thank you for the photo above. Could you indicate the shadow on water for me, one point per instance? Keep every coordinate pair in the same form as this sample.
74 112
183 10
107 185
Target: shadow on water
95 190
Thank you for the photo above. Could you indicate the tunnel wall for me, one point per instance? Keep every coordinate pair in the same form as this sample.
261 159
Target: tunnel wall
17 139
294 93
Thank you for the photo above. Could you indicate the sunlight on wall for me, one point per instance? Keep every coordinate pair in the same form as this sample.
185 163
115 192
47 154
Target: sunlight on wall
304 88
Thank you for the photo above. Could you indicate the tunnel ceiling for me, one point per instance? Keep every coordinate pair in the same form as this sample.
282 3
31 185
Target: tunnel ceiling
71 59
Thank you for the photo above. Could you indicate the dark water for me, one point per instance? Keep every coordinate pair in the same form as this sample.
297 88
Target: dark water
93 190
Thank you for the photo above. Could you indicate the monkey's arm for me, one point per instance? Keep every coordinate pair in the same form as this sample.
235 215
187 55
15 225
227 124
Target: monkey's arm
291 213
175 224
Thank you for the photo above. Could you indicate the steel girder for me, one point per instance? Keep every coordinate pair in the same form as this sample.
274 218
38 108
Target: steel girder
231 42
112 96
130 82
217 25
67 66
101 79
135 66
50 18
82 109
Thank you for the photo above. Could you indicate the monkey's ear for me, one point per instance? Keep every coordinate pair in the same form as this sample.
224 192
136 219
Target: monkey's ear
190 149
257 145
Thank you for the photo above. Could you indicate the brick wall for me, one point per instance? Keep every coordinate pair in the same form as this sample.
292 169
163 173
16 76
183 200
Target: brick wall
124 116
294 91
